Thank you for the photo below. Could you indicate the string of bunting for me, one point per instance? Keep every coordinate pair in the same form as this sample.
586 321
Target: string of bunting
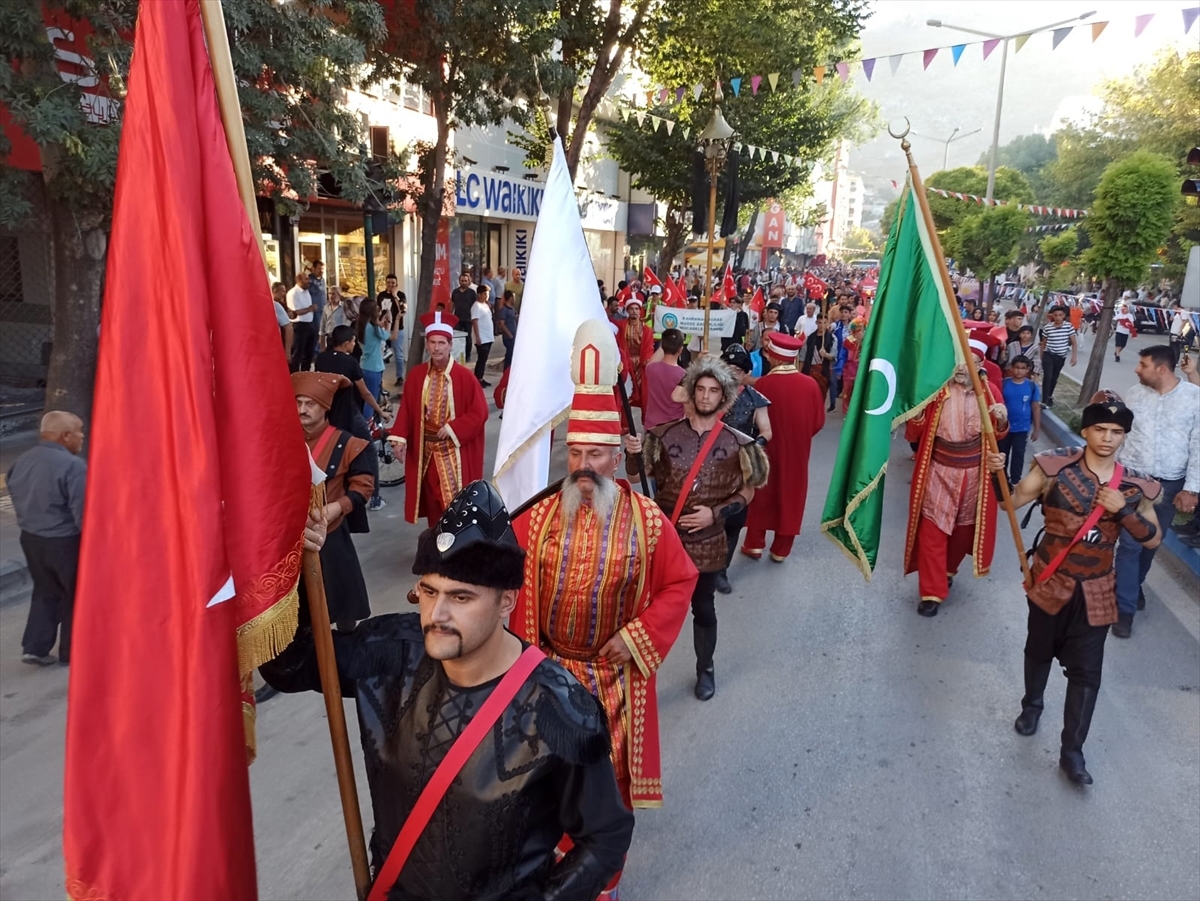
1047 228
1036 209
657 122
1158 314
662 96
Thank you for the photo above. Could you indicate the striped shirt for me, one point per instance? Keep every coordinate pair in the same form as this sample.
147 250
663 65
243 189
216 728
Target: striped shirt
1058 338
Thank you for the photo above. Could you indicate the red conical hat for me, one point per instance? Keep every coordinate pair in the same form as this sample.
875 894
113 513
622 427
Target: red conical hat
439 322
595 361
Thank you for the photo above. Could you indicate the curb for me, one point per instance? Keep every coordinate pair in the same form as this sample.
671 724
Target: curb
1183 561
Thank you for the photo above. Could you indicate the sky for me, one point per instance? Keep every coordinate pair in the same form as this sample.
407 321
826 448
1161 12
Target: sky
1042 86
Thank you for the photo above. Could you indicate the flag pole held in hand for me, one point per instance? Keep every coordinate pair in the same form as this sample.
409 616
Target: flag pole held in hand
637 458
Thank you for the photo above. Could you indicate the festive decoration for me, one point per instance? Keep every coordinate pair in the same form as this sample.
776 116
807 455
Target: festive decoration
1036 209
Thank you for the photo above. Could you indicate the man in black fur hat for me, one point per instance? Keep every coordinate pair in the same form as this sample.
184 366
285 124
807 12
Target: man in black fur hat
542 768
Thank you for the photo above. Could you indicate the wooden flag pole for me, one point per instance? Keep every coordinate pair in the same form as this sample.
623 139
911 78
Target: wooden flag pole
981 396
314 584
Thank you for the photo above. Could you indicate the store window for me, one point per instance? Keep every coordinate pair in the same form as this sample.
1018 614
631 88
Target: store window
352 256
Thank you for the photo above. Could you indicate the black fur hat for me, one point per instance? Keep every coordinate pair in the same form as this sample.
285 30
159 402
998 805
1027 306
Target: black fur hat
473 542
1110 413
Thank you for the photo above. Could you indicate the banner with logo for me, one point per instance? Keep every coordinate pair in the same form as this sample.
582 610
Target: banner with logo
691 322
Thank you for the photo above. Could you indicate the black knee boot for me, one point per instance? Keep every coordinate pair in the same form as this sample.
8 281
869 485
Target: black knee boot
1036 674
705 640
1077 719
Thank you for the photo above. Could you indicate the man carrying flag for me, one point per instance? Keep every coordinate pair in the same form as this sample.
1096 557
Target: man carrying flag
197 496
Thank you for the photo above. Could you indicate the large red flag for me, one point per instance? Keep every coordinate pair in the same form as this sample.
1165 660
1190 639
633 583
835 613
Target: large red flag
728 287
649 279
674 294
198 483
758 303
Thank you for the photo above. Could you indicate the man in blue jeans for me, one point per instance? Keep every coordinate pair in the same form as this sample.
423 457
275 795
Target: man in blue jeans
1165 444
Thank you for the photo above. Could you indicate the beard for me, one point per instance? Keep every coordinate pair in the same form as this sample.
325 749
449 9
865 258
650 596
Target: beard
961 375
706 409
602 500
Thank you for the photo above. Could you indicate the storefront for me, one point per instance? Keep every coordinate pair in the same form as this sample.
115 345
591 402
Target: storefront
338 237
493 221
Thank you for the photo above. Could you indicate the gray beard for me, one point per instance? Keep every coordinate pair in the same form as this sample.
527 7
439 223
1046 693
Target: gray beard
604 498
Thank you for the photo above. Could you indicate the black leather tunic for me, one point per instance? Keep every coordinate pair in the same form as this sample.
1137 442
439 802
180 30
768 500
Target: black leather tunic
543 772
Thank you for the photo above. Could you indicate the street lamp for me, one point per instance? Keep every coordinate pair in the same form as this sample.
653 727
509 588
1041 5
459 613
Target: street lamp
954 136
938 23
714 142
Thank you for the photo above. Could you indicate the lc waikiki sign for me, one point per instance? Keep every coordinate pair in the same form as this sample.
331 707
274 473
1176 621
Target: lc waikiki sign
485 194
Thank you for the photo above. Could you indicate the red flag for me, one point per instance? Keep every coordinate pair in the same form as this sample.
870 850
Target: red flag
758 303
198 485
728 288
814 287
673 294
649 279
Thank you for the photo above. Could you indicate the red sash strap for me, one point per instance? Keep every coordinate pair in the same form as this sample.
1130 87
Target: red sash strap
1088 525
323 442
686 488
448 769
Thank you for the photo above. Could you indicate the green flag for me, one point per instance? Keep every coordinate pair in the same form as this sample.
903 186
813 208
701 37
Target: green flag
908 353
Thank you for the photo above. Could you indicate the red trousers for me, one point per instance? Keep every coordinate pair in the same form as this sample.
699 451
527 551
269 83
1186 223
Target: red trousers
756 540
431 495
939 555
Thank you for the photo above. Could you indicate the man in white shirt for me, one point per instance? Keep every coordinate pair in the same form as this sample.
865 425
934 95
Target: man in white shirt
1164 444
1124 324
807 324
300 302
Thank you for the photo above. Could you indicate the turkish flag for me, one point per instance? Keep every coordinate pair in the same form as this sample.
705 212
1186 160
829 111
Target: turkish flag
728 288
674 294
198 486
649 279
758 303
813 286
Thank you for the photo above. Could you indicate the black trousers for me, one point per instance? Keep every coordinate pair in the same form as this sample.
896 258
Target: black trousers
733 532
704 607
53 566
1052 366
1067 635
303 337
482 351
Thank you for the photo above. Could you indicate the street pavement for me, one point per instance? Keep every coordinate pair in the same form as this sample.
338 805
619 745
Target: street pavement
853 749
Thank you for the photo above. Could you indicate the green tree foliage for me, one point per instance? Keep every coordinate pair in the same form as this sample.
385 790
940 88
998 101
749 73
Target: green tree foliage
988 241
1058 249
700 42
294 62
1011 185
1029 155
1135 208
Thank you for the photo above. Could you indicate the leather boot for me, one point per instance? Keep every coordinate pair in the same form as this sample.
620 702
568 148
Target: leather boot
1077 719
705 640
1036 674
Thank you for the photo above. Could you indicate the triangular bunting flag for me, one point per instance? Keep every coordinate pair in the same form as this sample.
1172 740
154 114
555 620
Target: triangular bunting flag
697 90
774 156
641 117
868 67
662 95
679 92
928 55
1189 18
773 80
894 62
843 71
989 46
736 84
1020 42
755 81
737 147
670 123
1140 23
654 123
1098 29
1059 35
957 50
687 132
796 76
819 73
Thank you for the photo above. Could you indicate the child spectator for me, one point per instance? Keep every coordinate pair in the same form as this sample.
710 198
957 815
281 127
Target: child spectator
1021 398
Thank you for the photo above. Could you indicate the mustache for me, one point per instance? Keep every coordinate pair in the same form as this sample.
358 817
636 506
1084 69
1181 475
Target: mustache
574 477
441 630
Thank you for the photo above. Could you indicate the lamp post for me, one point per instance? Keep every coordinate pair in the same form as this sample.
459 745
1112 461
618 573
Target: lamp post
954 136
1005 38
714 142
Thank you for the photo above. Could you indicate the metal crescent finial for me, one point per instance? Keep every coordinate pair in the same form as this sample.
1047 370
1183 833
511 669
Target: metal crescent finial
903 134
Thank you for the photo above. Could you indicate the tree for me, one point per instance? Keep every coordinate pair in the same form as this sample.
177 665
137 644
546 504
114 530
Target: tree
1057 252
1135 208
860 241
480 62
1011 185
1029 155
293 65
987 241
701 42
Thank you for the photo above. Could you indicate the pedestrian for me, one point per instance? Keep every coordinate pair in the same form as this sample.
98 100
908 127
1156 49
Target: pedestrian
372 334
515 284
853 349
1090 504
610 619
483 333
1013 320
1058 338
333 316
495 286
439 426
346 411
1180 324
283 318
1164 443
1026 346
46 484
791 308
350 475
705 473
1124 325
797 414
506 322
952 504
819 351
461 301
807 324
393 302
741 324
316 290
1022 401
661 380
422 683
639 345
300 302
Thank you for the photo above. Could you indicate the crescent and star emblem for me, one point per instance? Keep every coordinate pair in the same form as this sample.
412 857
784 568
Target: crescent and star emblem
889 373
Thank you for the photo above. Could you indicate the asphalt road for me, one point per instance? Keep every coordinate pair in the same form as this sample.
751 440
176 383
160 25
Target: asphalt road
853 750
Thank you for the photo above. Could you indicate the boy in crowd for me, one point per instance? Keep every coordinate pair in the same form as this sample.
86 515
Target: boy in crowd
1022 399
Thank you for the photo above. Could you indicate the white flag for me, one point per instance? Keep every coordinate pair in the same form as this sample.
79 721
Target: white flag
560 293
